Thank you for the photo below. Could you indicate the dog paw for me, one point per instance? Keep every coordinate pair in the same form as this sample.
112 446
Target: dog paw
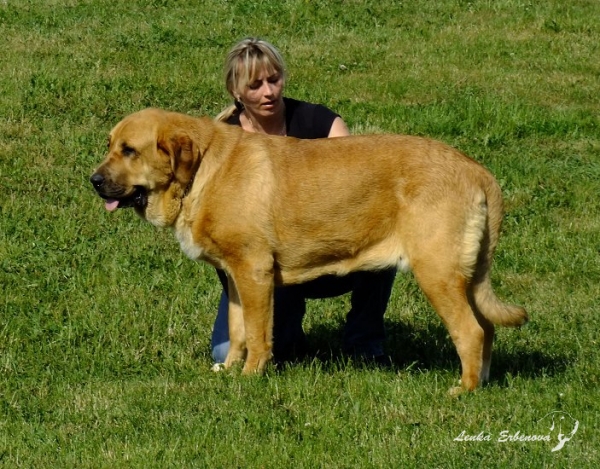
456 391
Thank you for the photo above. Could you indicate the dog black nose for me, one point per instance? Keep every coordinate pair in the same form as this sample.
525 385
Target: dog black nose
97 180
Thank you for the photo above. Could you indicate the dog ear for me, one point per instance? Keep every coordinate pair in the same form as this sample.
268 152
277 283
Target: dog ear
184 155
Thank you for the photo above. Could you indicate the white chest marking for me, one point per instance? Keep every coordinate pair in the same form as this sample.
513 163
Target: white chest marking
186 242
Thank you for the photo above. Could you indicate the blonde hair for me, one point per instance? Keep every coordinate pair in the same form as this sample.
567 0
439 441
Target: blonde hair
244 62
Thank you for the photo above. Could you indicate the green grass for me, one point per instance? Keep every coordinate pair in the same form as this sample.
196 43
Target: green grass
105 325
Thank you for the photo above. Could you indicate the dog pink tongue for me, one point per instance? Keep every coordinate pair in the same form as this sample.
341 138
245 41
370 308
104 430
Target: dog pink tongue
111 204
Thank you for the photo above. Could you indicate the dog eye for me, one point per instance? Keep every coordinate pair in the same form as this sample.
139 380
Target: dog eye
126 150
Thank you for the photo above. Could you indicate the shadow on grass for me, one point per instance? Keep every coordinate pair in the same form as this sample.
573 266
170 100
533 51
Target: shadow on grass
429 347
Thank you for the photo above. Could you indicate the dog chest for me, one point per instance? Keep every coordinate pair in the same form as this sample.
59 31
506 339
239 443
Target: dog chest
187 244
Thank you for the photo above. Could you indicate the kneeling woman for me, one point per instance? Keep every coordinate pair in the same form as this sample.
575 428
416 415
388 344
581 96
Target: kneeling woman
255 77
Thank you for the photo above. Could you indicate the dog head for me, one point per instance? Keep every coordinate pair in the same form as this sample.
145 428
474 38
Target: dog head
151 163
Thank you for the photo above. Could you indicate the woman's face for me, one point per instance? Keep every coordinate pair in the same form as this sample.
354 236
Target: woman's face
263 96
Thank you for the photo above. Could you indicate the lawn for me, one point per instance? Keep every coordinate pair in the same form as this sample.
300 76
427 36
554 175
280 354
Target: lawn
105 324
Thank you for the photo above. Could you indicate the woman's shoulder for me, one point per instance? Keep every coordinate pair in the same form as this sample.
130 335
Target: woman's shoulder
234 119
306 108
308 120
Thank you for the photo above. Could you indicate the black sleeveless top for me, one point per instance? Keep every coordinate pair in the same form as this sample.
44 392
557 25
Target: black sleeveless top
302 119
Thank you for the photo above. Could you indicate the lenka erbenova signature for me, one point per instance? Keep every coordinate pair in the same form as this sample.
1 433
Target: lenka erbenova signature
559 422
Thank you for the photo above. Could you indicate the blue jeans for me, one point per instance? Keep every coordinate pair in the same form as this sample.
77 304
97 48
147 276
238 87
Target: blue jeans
364 330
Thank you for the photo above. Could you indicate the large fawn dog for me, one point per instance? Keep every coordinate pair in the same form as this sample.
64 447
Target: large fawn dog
279 210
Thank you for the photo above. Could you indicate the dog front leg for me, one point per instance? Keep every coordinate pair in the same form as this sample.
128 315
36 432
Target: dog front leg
237 334
255 292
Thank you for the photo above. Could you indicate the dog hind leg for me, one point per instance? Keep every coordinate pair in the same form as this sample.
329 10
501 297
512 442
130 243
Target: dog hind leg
488 343
446 289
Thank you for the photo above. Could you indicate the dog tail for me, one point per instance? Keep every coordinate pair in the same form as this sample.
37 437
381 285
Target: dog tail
496 311
482 295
